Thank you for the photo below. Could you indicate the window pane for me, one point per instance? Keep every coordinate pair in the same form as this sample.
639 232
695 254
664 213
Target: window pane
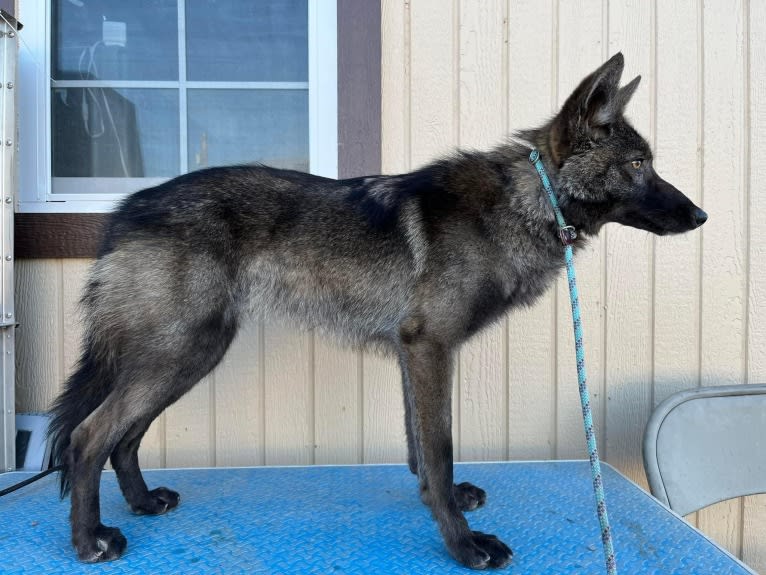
243 126
104 132
246 41
110 40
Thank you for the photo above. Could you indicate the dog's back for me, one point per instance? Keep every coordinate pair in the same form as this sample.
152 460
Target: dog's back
254 240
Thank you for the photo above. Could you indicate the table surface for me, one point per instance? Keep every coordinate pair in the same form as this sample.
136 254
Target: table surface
362 519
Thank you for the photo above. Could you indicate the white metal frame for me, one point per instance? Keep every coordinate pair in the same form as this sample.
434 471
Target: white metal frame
8 52
36 193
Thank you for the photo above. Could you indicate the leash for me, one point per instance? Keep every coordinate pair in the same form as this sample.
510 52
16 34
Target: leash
26 482
568 234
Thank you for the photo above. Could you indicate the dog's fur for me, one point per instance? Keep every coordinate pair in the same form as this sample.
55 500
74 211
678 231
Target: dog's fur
414 264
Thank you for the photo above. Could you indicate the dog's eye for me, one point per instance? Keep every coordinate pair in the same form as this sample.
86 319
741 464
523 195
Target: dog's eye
637 164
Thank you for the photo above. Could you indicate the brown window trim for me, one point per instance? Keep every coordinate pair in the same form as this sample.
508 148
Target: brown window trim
53 235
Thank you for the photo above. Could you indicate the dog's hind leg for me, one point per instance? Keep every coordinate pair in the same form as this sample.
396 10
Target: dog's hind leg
125 462
147 383
92 442
428 361
117 425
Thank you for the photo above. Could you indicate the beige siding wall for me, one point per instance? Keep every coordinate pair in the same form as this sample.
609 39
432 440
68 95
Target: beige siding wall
661 314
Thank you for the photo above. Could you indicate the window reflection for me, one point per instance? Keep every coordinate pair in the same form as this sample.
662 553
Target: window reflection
122 97
242 126
136 40
247 41
106 132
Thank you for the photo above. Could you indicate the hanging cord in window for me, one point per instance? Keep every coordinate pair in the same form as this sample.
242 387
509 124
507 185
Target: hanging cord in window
90 73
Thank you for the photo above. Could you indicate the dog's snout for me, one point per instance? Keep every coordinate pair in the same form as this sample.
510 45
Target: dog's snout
700 217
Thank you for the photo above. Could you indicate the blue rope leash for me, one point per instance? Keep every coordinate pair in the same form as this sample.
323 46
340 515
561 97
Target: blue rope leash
568 235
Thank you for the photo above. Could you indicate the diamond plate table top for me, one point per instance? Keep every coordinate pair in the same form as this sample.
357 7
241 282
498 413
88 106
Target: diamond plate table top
364 519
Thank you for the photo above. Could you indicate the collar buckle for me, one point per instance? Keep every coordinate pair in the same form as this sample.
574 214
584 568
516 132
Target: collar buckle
567 235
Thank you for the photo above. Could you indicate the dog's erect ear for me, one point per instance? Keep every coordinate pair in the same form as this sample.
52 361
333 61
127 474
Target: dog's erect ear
591 109
598 98
597 94
626 93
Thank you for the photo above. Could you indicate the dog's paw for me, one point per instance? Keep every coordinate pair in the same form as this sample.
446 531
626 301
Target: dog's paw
480 550
157 502
103 544
468 496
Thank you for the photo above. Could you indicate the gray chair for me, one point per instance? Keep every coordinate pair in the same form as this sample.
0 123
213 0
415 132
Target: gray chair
707 445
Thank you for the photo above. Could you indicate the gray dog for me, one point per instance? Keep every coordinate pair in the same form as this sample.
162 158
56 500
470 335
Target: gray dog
413 264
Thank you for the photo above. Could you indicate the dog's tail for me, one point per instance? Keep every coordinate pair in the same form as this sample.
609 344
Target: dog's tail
83 392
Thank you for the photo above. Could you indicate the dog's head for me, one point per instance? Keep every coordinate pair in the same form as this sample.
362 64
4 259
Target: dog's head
605 167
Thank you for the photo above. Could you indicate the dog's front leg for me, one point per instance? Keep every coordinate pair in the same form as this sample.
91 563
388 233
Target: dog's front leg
409 424
427 362
468 496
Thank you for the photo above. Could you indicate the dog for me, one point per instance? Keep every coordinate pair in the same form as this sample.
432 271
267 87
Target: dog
412 264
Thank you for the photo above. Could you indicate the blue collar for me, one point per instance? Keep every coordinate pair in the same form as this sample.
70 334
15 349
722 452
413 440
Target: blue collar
567 234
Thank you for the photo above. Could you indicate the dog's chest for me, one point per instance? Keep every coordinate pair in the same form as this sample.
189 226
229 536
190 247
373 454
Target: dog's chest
506 289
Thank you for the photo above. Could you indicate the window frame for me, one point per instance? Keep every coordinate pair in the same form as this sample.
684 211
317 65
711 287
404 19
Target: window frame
35 175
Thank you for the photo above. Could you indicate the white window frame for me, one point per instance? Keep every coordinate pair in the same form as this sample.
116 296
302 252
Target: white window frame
34 73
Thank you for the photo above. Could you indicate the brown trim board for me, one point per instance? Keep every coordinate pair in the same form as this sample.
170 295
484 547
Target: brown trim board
359 133
57 235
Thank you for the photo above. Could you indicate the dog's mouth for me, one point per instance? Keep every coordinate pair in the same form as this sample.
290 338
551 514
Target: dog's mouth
663 223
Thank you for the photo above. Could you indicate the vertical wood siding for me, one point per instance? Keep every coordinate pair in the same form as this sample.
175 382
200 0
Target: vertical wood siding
661 314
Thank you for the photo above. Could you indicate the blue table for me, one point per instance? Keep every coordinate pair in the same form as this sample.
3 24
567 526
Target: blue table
363 519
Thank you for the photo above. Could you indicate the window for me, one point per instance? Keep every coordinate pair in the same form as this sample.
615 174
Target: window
129 94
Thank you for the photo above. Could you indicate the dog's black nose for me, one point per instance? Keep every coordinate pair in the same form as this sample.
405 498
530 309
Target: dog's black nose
700 217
